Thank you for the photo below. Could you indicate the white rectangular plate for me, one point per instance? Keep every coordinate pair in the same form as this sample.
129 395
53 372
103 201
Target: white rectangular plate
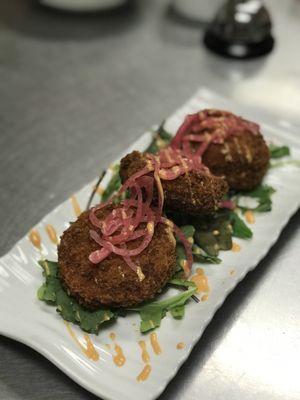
32 322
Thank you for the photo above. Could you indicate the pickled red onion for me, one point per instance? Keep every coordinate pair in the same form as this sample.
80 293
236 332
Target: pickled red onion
209 126
136 218
227 204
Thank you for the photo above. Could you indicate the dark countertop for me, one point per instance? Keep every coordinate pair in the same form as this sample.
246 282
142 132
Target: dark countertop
75 92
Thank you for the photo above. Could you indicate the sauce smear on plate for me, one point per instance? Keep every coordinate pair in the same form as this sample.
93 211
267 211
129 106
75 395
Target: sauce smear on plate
52 233
89 350
154 343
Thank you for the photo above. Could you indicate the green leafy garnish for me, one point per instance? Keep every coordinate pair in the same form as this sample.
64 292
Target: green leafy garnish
54 294
263 195
152 313
278 151
161 139
200 256
113 185
239 228
181 282
283 163
70 310
180 258
213 233
166 136
188 231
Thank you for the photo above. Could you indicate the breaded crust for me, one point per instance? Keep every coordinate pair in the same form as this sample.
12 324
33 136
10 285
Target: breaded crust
192 193
112 282
242 159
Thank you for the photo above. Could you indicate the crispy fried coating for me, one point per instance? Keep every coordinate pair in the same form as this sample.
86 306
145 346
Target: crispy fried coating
192 193
243 160
112 282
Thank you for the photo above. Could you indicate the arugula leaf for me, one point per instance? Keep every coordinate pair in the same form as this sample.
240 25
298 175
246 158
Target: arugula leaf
161 139
153 147
113 185
208 242
239 228
261 192
213 234
152 313
182 282
52 292
283 163
178 312
49 268
166 136
263 195
200 256
188 231
278 151
180 258
224 238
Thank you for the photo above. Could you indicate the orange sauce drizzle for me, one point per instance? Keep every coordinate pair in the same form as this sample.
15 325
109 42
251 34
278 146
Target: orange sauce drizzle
144 374
201 281
232 272
89 350
204 297
52 233
235 247
250 218
146 359
35 238
119 358
155 344
180 346
100 190
145 354
76 206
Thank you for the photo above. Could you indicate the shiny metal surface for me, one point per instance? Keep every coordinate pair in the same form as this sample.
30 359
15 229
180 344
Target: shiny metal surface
74 94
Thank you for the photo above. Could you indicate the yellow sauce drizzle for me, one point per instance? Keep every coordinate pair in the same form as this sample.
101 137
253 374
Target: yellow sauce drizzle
204 297
145 354
100 190
180 346
52 234
35 238
89 350
144 374
201 281
119 358
154 343
235 247
250 218
146 359
76 206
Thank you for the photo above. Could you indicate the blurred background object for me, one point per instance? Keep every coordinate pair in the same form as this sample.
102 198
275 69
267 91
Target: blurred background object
240 29
82 5
195 10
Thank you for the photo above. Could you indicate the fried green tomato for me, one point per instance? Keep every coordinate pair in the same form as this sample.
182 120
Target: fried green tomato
112 283
243 160
192 193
